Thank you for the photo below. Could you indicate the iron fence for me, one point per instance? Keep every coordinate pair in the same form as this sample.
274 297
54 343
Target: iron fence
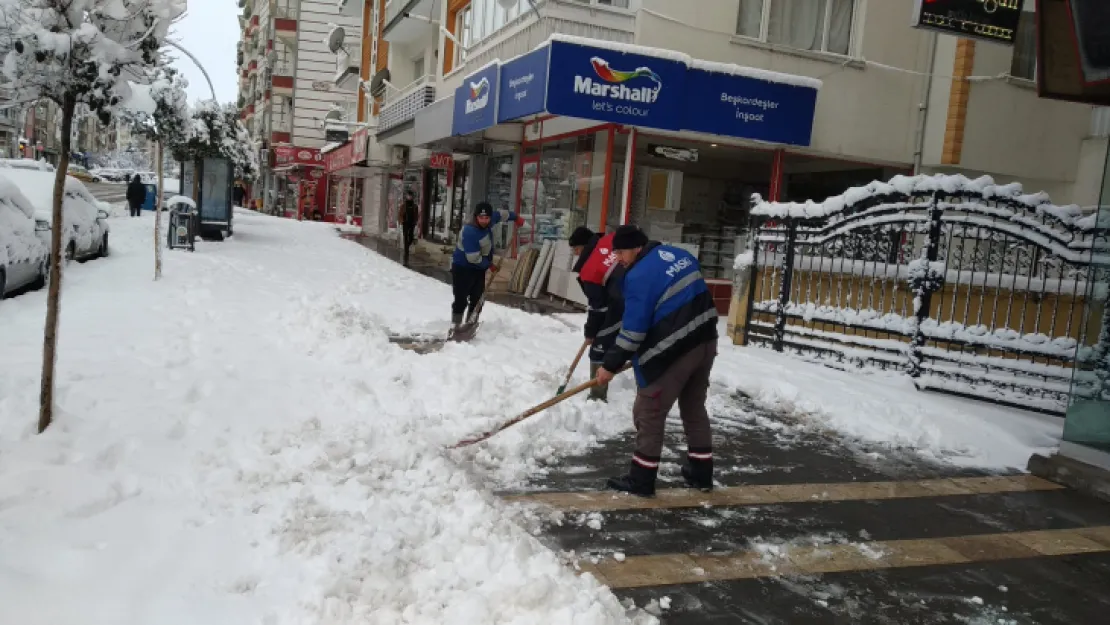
970 288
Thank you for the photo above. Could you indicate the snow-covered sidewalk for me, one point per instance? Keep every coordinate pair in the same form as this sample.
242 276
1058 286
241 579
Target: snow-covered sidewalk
240 443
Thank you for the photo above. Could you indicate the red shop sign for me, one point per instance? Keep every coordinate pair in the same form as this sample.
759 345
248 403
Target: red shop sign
360 142
339 158
441 160
292 155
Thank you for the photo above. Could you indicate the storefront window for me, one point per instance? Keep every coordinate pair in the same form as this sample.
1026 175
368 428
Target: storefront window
1088 416
557 187
439 202
459 188
499 193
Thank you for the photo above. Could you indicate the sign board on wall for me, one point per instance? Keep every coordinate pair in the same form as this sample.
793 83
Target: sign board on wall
523 86
992 20
615 86
292 155
674 153
476 101
723 101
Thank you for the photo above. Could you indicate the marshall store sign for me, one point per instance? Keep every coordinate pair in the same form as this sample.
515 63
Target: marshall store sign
992 20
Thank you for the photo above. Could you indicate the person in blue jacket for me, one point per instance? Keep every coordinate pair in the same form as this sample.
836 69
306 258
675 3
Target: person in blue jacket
473 257
669 332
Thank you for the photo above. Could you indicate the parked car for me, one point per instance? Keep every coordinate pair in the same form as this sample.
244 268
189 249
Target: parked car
27 163
24 258
85 235
82 174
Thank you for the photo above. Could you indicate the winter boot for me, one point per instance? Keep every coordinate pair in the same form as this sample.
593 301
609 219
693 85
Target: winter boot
601 391
699 473
456 319
639 481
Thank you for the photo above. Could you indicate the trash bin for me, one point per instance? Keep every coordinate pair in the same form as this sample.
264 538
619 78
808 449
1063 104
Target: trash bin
183 227
151 195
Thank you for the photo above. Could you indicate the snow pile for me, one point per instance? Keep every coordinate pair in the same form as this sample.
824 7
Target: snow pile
240 443
181 199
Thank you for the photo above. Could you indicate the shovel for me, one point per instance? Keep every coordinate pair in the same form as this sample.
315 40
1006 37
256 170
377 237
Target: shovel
532 411
573 366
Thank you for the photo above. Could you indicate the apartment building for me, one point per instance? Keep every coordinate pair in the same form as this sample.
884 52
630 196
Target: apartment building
890 99
286 93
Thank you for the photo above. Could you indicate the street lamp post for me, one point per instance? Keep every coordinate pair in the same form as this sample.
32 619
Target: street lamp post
199 66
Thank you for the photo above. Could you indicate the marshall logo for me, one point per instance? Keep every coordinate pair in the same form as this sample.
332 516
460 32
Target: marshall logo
479 96
612 83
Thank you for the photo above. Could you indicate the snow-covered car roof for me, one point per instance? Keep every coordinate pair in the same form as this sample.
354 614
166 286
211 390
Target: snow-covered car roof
13 193
38 187
26 163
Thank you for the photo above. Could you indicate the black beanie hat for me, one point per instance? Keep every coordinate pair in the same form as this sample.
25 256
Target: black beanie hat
580 236
483 209
629 238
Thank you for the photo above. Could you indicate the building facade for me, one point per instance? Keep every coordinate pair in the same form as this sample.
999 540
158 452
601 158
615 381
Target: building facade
287 92
892 100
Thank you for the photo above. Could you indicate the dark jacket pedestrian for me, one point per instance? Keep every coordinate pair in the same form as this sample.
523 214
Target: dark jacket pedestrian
238 194
136 195
473 257
409 218
600 276
669 332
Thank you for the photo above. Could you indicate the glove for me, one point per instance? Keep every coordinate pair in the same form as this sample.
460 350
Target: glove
494 268
519 222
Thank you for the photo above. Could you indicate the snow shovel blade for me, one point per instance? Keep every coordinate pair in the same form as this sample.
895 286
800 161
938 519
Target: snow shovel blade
463 333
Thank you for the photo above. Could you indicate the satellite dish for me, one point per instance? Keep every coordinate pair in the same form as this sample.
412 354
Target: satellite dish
377 83
336 38
507 4
334 115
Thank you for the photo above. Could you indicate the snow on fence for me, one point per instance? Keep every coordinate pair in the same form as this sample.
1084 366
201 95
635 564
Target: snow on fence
970 287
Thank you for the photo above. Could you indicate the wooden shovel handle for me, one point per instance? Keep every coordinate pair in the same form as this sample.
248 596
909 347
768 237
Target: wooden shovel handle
574 365
532 411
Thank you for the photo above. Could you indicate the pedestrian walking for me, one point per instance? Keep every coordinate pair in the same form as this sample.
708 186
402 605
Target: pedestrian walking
409 216
669 332
239 194
473 257
600 276
136 195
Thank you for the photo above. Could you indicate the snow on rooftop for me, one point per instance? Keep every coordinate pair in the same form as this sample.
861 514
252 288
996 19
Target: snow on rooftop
627 48
756 73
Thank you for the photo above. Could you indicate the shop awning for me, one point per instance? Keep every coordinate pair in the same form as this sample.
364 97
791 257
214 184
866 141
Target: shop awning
348 155
637 86
435 130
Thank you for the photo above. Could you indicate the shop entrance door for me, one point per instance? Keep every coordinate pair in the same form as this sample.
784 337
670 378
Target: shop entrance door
439 206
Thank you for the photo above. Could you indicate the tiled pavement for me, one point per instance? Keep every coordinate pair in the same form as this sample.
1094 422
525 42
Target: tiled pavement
806 527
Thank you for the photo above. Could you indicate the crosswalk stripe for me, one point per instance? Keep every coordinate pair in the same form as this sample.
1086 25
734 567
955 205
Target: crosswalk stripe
597 501
670 569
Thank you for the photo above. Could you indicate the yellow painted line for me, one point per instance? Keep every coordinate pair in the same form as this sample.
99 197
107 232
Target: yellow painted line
670 569
596 501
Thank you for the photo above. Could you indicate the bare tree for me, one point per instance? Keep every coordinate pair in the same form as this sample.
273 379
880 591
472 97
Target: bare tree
77 51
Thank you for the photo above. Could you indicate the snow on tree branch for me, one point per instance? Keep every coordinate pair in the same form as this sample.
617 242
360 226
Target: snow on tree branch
215 131
86 49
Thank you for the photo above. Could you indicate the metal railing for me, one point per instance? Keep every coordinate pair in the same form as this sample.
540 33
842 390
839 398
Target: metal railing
401 106
972 289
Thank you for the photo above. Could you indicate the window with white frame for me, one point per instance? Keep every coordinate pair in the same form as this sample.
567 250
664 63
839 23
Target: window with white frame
817 25
482 18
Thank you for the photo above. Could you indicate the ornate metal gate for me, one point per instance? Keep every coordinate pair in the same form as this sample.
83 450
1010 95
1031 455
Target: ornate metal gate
969 287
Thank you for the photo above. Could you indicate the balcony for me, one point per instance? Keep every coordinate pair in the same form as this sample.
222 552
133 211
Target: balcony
402 29
252 67
401 106
252 25
286 14
281 81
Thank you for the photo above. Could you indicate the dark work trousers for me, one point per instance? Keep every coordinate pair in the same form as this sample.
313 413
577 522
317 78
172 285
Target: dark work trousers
407 238
687 382
136 210
468 284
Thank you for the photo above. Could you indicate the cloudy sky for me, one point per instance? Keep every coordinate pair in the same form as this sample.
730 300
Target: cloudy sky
210 31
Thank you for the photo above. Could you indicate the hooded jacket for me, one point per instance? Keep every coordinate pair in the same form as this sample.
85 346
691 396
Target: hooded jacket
475 247
136 192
